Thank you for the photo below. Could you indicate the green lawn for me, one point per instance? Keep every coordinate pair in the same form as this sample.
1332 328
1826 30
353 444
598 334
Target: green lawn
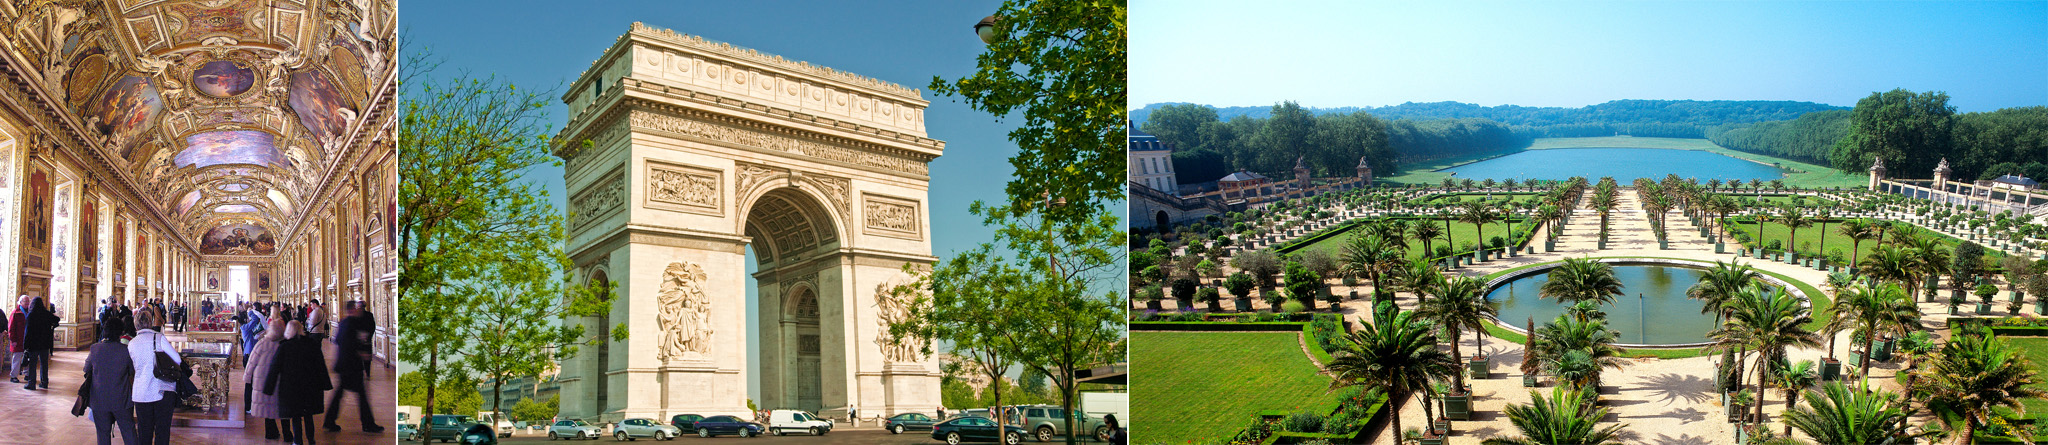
1205 386
1461 234
1799 173
1835 240
2036 350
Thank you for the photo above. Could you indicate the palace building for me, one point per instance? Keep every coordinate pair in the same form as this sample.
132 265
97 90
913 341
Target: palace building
225 150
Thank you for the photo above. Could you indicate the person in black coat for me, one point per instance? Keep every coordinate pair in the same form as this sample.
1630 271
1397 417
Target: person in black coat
112 375
40 337
298 377
351 362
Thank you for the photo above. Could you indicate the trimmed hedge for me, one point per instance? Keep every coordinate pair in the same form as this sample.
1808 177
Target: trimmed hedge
1197 326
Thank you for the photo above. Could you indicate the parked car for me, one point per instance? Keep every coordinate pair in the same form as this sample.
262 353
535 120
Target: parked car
976 429
408 432
977 412
716 425
782 421
1046 422
498 422
479 434
447 427
908 421
686 422
573 429
634 429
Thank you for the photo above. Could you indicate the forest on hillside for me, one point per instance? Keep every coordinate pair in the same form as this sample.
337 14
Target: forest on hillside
1647 118
1912 131
1207 147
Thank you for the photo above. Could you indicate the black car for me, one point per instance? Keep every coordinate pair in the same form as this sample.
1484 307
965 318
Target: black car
688 422
908 421
717 425
975 429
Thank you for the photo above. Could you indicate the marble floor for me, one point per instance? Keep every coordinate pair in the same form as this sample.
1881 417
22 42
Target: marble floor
43 416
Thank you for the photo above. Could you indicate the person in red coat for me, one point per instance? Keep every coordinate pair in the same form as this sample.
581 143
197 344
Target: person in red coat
17 331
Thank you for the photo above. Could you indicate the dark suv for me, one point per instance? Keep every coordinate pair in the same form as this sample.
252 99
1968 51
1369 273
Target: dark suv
688 422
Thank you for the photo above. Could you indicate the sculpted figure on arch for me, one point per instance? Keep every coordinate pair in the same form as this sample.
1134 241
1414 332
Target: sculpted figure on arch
685 312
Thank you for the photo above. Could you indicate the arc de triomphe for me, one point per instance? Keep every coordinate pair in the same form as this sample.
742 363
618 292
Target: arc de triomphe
682 152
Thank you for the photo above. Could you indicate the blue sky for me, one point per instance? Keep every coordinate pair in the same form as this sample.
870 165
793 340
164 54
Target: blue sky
1986 55
542 45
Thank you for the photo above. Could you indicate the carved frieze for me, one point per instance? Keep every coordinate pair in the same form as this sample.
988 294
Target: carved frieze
752 176
891 217
750 138
683 188
608 194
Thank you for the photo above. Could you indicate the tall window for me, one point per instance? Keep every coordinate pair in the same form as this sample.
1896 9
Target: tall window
238 282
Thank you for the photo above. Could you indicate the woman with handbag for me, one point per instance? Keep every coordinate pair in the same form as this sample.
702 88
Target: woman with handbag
109 379
298 377
263 405
156 383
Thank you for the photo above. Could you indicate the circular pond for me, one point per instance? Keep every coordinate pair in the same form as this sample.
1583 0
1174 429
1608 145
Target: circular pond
1653 311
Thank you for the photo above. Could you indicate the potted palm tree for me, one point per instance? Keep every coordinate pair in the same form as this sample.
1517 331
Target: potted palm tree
1984 294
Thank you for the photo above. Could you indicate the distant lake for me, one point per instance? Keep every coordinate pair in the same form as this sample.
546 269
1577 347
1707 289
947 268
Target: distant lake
1624 164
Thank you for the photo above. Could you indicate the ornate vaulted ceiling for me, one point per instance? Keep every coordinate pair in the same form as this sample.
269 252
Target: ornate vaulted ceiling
226 113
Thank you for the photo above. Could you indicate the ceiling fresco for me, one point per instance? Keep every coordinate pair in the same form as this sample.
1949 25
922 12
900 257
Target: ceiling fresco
227 113
231 147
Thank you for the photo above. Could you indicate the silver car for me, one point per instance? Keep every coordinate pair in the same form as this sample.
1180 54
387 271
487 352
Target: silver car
573 429
634 429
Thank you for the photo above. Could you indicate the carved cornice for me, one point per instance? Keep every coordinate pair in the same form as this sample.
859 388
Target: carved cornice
805 132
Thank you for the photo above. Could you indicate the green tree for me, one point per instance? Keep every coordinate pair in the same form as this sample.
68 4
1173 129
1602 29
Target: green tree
1765 321
1370 257
1581 279
1911 131
457 394
1975 373
1460 304
1398 354
1790 379
1721 284
473 233
1045 307
1838 414
1567 416
1866 311
532 410
1180 125
1061 64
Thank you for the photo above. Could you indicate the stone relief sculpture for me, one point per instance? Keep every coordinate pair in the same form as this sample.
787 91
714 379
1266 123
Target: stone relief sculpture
685 319
896 306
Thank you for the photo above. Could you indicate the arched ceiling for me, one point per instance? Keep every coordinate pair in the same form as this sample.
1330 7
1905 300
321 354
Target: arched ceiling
227 113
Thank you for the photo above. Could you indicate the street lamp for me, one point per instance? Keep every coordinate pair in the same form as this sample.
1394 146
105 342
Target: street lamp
986 29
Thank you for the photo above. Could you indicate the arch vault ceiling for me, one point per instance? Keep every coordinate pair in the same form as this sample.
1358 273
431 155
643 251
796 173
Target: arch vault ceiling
227 114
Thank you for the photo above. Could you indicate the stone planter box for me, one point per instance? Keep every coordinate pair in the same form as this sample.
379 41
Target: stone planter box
1244 304
1458 406
1881 350
1983 308
1478 367
1442 426
1830 369
1720 248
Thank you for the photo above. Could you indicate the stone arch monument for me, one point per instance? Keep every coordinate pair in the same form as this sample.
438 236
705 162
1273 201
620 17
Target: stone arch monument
682 153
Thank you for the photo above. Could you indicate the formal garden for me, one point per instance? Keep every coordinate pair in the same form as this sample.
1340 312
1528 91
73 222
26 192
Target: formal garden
1831 316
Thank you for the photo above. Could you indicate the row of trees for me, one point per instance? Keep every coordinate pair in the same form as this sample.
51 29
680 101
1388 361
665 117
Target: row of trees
1617 114
1913 131
1207 148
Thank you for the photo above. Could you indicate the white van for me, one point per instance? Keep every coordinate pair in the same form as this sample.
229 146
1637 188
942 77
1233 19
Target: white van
782 421
497 421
